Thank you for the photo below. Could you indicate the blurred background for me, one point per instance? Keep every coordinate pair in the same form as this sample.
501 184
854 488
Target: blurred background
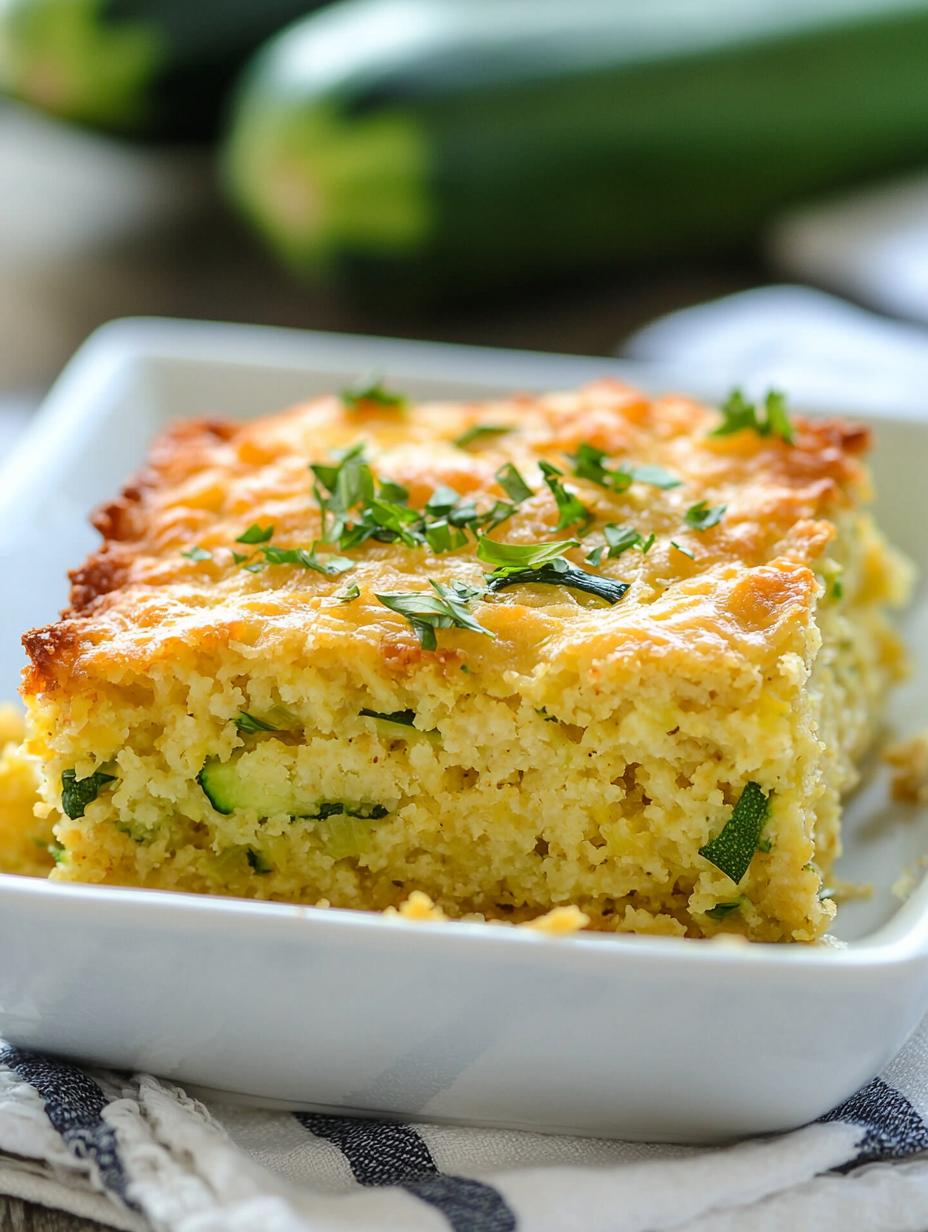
530 173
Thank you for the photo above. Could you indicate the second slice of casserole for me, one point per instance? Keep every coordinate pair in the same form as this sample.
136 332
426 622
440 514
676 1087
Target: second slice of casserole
589 648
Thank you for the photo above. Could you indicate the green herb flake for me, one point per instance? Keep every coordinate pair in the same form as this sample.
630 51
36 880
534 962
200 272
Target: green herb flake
374 393
511 557
559 572
621 538
198 554
702 516
656 476
684 551
394 492
595 557
721 910
837 589
590 463
406 718
57 852
733 848
446 608
348 594
778 421
337 808
480 432
257 863
441 536
246 722
513 484
256 534
442 501
329 566
739 415
77 793
571 510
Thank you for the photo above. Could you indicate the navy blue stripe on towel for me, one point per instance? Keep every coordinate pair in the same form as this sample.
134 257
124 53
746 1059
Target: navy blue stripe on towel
74 1104
384 1153
892 1127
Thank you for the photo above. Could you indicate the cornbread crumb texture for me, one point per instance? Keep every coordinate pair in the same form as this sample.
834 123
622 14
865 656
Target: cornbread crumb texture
24 838
558 922
570 763
909 760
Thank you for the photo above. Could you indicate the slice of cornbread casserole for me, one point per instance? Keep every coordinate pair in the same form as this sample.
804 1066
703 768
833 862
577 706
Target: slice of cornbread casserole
588 648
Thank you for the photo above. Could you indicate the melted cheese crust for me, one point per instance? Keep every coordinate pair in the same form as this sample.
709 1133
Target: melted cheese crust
138 600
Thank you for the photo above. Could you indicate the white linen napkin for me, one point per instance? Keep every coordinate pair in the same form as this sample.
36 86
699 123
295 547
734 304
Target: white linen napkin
137 1153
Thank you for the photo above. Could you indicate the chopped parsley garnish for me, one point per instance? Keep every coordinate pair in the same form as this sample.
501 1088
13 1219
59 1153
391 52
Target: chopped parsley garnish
570 508
684 551
406 717
198 554
656 476
702 516
621 538
256 534
513 484
733 848
721 910
590 463
329 566
480 432
354 508
772 419
441 536
442 501
447 608
77 793
374 393
246 722
57 852
558 572
348 594
257 862
837 589
511 557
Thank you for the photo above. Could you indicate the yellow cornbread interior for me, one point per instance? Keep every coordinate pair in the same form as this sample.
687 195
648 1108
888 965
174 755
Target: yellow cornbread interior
24 839
580 757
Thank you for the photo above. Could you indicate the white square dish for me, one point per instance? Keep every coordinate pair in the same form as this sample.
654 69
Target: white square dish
635 1037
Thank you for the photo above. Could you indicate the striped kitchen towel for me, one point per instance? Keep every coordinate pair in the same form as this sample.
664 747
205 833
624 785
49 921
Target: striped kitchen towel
138 1153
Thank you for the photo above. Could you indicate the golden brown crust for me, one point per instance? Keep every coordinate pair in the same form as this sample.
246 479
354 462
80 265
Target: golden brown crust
138 600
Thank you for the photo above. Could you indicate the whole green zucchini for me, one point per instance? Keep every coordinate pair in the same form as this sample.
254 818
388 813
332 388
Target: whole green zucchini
429 143
148 68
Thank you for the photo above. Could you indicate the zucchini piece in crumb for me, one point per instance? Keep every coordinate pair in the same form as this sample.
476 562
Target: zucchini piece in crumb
77 793
256 862
397 724
228 787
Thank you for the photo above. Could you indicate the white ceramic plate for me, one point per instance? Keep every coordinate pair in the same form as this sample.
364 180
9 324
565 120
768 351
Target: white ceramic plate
625 1036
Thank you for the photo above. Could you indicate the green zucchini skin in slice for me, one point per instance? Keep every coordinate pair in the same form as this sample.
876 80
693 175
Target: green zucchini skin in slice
408 144
228 786
157 69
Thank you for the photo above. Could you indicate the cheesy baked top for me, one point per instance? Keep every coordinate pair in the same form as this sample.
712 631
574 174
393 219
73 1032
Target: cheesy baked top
588 648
